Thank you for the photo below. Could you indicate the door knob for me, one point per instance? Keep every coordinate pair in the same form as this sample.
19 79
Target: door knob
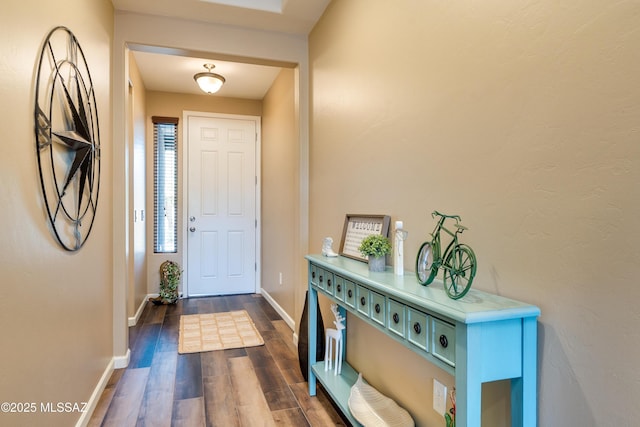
192 229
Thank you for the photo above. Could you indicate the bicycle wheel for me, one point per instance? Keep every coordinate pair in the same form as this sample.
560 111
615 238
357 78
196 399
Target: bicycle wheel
459 271
426 269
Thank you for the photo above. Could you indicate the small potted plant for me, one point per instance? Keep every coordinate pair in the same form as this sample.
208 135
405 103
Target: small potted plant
375 247
169 280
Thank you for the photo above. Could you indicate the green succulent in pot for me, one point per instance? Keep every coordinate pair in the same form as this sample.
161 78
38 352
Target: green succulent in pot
376 247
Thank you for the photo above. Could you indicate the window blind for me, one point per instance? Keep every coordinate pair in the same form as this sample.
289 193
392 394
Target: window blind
165 184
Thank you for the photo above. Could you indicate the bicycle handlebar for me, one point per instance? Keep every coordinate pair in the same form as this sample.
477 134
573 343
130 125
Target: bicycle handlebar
436 213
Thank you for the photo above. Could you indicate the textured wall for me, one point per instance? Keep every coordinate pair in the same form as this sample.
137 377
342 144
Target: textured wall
56 306
136 104
280 186
522 117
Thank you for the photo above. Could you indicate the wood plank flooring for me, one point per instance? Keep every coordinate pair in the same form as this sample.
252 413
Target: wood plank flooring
249 387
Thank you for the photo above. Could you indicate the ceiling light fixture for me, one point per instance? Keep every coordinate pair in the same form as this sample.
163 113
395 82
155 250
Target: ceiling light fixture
209 82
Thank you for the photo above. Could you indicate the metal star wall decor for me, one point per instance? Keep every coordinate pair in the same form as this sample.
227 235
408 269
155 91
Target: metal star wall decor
67 138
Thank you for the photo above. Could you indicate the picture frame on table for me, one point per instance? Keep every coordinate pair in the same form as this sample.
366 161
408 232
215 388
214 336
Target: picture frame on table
356 228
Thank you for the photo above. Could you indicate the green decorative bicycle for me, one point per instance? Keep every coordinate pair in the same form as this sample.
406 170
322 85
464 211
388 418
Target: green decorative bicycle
458 261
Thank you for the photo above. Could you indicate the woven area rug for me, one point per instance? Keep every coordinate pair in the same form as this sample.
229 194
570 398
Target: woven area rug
217 331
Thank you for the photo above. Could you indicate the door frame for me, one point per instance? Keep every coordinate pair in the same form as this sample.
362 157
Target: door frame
184 220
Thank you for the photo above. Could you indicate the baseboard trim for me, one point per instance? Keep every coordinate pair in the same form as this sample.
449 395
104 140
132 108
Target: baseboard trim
84 419
285 316
133 321
120 362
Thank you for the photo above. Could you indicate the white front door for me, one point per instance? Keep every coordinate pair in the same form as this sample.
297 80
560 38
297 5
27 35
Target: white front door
221 213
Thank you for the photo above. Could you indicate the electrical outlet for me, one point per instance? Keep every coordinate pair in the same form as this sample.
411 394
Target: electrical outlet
439 397
281 278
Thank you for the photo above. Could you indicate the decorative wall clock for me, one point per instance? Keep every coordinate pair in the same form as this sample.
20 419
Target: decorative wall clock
67 138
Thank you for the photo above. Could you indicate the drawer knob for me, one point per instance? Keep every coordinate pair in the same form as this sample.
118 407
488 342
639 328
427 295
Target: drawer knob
329 283
339 288
417 328
377 307
350 293
320 278
396 318
444 342
313 274
363 301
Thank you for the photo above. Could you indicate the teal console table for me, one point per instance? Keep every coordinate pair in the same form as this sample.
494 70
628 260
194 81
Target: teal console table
479 338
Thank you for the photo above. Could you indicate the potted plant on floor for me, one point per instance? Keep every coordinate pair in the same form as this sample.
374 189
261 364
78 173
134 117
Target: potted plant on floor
169 280
375 247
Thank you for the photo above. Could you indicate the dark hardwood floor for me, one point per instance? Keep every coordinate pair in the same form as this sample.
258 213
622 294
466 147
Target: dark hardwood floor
248 387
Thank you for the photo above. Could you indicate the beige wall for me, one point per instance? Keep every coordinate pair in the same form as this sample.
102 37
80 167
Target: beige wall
56 306
173 105
280 186
522 117
137 196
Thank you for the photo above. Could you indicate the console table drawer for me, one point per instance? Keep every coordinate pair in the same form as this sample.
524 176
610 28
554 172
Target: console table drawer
378 308
362 300
314 274
339 288
443 343
397 318
330 283
418 328
350 293
325 280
